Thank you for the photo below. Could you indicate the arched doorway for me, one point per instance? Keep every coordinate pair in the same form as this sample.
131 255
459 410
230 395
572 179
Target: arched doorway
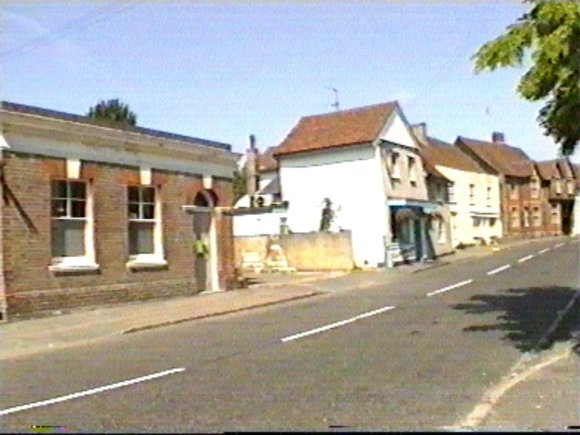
204 240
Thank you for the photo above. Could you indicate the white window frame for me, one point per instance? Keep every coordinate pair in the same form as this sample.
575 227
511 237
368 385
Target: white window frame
558 187
526 216
156 258
570 185
394 165
514 194
488 196
451 192
412 169
77 263
535 188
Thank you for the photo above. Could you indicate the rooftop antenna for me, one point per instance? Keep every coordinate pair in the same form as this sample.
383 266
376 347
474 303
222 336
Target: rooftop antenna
336 104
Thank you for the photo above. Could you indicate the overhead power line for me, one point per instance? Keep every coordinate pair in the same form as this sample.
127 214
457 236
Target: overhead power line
68 29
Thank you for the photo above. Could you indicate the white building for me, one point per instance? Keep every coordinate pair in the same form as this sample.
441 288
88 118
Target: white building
366 162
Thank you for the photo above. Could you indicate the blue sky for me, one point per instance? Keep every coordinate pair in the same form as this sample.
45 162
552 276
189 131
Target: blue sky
223 71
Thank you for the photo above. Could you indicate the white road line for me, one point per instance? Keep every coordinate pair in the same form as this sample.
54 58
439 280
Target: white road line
451 287
499 269
559 245
529 257
89 392
336 324
543 251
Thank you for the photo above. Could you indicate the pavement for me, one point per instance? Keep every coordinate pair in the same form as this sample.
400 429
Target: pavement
540 393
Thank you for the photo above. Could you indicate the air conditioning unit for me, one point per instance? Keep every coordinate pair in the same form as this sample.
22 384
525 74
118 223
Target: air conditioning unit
260 201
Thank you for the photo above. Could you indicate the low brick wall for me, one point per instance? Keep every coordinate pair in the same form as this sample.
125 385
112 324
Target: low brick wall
318 251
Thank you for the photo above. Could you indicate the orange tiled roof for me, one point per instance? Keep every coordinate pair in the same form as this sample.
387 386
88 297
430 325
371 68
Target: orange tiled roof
440 153
329 130
547 169
505 159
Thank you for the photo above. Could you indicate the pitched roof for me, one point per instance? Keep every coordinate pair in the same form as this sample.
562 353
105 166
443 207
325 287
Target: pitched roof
346 127
505 159
547 169
565 167
266 161
440 153
32 110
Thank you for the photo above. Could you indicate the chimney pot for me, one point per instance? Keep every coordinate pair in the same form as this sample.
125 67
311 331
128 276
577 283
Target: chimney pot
420 130
497 137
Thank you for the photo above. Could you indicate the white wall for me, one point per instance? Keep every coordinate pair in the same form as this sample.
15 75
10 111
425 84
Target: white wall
397 132
463 229
257 225
351 178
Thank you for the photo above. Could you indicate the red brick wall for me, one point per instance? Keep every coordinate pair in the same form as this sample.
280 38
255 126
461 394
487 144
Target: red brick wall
30 286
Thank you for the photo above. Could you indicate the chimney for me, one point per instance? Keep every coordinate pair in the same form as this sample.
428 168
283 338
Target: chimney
420 131
497 137
251 157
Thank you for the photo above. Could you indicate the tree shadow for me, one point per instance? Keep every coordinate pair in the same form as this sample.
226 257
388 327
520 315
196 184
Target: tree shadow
526 314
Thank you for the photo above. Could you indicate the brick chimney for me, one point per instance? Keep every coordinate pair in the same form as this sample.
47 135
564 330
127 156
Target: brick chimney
497 137
420 131
251 157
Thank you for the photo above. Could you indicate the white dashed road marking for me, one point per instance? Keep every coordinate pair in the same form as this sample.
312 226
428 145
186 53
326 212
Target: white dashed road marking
90 392
559 245
336 324
543 251
451 287
529 257
499 269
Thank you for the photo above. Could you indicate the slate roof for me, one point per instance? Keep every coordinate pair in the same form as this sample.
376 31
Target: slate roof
22 108
505 159
346 127
440 153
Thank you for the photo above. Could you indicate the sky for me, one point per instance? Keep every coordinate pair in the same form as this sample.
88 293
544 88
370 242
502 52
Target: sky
224 70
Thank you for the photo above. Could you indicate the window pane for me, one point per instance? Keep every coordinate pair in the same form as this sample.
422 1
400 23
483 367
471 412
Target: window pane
58 208
133 211
148 211
133 194
148 194
58 189
141 238
78 209
77 190
68 238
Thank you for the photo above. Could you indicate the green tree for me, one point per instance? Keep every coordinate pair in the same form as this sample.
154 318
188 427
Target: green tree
239 184
112 113
550 33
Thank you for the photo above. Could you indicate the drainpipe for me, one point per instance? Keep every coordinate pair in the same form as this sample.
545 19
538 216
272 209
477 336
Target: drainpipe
3 302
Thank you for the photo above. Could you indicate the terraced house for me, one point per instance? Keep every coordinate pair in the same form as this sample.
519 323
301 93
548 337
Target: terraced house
474 194
559 188
521 196
93 215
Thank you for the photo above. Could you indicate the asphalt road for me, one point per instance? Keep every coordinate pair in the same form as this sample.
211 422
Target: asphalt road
417 353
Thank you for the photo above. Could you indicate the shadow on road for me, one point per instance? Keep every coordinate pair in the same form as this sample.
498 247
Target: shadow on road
525 314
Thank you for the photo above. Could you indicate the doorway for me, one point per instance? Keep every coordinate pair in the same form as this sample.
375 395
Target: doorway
201 228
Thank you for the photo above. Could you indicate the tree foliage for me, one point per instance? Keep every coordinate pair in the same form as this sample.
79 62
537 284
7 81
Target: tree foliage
550 33
240 186
113 113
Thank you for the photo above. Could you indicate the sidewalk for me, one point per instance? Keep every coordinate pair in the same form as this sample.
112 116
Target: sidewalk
26 337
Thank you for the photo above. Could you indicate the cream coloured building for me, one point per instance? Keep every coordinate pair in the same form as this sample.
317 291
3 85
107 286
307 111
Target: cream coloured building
474 195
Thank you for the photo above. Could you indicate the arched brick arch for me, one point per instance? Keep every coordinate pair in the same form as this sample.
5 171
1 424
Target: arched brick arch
206 198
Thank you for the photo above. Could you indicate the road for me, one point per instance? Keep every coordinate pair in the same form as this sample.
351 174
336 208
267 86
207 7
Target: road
417 353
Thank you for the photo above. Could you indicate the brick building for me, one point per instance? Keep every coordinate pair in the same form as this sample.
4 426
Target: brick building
521 197
92 215
559 187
